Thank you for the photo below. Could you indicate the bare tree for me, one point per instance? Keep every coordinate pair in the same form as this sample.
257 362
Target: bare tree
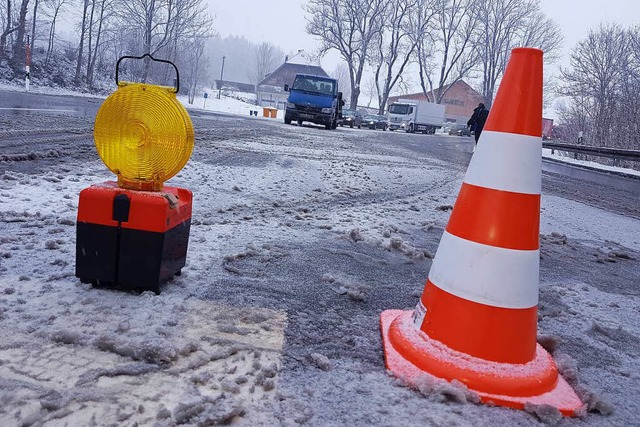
83 29
369 91
503 25
599 65
7 30
55 7
348 26
542 32
195 60
191 22
267 58
33 22
341 74
93 46
20 31
405 84
90 35
573 117
162 24
452 55
119 41
499 22
153 20
193 27
629 131
3 11
395 47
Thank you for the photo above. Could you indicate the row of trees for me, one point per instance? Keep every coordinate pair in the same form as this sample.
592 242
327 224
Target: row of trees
107 30
602 85
447 39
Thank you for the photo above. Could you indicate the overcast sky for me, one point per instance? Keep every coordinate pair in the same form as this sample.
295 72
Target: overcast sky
282 22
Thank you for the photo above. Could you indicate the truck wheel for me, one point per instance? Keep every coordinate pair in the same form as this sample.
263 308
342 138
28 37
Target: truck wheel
299 122
351 125
287 119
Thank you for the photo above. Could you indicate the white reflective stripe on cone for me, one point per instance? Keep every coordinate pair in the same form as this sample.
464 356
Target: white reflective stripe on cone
507 161
485 274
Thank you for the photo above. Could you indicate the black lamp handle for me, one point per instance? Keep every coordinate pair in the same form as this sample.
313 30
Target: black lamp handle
153 59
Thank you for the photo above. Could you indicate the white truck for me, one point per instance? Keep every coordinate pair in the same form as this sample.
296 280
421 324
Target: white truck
413 115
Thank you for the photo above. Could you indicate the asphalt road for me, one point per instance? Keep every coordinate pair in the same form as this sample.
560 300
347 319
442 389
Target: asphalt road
17 103
301 220
49 129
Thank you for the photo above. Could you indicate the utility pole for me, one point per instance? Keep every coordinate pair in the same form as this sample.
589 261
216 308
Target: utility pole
221 74
27 66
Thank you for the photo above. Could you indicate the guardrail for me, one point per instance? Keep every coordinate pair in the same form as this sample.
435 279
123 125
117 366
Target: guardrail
614 153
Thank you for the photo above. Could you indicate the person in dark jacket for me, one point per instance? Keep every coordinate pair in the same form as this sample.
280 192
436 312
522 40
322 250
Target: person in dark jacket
477 120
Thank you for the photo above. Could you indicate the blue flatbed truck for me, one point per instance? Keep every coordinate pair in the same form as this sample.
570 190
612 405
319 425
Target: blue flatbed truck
314 99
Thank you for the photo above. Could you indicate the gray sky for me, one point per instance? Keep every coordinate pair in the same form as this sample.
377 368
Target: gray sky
282 22
577 17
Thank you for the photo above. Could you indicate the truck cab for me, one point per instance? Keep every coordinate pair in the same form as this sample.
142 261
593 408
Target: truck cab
313 99
400 115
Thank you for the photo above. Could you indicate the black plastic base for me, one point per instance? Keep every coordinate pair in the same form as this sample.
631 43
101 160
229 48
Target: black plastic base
130 259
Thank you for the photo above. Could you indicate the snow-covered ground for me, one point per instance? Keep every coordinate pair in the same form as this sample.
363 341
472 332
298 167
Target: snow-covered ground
546 153
234 103
47 90
229 103
299 239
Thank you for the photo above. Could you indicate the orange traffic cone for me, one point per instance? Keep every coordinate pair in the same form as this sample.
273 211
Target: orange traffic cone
477 318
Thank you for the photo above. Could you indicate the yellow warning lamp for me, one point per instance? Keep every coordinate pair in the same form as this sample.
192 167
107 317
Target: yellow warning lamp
143 133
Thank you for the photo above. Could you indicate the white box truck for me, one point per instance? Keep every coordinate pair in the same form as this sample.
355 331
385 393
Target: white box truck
413 115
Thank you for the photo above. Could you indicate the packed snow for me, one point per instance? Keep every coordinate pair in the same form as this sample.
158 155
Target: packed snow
300 237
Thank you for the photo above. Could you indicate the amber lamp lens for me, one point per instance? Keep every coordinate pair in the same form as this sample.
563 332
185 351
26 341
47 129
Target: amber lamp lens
144 135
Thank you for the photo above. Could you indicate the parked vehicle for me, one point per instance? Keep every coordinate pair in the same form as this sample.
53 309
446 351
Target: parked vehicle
350 118
374 121
313 99
460 130
416 116
446 126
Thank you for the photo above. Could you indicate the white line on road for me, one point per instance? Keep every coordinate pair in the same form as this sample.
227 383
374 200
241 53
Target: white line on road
37 109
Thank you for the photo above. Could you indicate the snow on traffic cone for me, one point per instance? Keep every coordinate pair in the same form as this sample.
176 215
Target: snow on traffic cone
477 318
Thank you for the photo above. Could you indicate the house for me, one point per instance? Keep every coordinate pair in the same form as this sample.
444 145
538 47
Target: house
459 99
270 91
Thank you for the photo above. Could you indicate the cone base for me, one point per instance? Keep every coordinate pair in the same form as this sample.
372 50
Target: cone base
560 395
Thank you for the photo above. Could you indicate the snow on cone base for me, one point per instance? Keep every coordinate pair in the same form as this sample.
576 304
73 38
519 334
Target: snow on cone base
558 394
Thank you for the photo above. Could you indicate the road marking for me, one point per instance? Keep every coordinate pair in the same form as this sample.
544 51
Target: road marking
194 357
37 109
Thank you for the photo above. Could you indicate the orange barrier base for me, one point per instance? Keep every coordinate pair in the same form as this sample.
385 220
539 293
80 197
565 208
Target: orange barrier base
411 355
